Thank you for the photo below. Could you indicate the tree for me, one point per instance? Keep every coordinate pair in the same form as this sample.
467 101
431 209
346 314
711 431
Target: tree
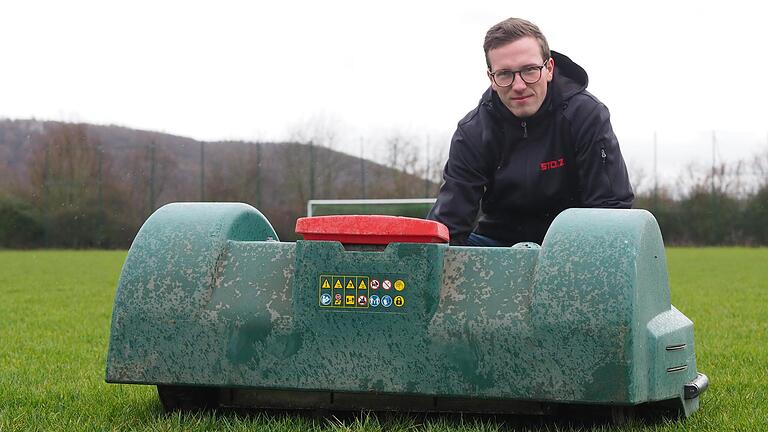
68 173
403 157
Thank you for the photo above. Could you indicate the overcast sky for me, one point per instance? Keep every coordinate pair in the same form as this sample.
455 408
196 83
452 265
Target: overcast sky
260 70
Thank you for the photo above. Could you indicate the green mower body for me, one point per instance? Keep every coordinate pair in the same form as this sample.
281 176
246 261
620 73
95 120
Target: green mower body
216 312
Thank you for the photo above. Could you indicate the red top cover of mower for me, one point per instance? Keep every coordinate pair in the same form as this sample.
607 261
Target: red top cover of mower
372 229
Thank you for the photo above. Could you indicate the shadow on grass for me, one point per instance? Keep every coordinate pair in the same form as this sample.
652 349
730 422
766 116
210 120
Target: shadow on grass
323 420
546 416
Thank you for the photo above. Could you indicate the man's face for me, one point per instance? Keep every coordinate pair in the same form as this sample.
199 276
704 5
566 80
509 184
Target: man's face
521 98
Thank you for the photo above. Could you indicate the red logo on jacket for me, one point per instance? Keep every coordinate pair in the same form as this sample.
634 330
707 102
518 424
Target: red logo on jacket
557 163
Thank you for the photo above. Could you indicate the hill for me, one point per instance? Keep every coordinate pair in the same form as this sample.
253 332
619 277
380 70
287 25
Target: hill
75 178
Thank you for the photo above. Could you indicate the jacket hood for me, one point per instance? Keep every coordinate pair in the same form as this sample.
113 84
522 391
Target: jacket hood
569 80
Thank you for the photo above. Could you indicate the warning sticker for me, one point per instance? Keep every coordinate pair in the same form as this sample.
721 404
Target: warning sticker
359 292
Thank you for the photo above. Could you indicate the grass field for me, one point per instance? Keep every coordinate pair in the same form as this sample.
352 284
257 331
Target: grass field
55 311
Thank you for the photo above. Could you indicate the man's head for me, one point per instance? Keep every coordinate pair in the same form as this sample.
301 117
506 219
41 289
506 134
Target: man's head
519 65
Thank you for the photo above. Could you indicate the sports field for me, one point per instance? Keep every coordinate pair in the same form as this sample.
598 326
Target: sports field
55 309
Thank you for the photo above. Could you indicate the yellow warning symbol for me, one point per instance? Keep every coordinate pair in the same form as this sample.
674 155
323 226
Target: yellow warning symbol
362 284
350 300
399 285
399 301
350 285
326 285
338 285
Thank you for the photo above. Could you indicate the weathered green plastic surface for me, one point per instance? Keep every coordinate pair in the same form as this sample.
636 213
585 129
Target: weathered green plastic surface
208 297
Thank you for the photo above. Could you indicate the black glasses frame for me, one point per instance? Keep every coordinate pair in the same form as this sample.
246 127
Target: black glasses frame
520 73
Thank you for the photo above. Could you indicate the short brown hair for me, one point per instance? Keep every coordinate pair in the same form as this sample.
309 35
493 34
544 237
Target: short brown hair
510 30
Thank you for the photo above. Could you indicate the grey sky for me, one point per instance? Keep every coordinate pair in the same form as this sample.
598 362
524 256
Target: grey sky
260 70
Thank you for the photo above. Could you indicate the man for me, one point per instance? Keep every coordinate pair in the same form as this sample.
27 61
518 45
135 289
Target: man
536 144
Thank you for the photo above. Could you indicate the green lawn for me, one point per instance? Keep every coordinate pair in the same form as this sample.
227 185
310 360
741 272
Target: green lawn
55 311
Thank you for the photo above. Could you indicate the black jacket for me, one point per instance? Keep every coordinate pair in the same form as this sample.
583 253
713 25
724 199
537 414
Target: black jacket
521 173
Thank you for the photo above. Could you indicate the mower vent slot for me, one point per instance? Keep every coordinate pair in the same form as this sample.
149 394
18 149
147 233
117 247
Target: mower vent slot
677 368
677 347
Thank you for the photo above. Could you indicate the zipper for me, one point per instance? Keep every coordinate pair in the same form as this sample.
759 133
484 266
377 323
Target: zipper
525 129
603 157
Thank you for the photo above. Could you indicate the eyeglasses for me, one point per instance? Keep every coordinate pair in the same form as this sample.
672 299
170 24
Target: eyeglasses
506 77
